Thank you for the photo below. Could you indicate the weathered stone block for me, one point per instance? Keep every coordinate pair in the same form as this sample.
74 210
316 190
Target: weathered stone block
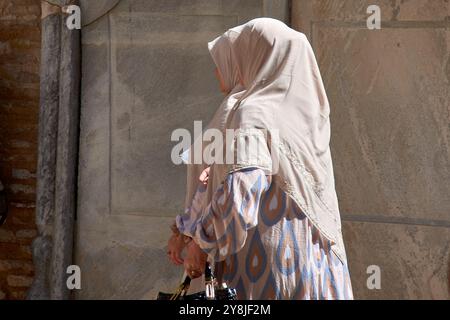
414 260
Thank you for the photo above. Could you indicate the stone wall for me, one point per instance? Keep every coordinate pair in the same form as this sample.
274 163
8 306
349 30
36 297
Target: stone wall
389 96
19 104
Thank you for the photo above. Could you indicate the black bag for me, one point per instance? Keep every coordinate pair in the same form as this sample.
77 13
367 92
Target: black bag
212 292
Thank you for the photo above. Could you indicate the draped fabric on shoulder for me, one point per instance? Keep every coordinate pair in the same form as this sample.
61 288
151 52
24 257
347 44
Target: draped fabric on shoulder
285 99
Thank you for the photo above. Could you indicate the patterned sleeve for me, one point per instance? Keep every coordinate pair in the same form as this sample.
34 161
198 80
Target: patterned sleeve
220 227
187 222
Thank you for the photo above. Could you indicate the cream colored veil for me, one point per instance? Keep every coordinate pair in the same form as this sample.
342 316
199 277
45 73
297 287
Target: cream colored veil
286 104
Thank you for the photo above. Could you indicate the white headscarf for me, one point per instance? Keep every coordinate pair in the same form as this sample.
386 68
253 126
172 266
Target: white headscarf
284 92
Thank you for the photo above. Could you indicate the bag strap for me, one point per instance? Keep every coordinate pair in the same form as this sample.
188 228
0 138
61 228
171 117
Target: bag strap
210 283
182 289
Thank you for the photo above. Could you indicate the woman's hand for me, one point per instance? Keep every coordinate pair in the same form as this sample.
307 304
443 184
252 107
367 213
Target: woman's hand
195 260
175 246
204 176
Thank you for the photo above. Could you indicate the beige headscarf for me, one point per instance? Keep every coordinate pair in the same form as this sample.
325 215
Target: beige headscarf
220 50
285 94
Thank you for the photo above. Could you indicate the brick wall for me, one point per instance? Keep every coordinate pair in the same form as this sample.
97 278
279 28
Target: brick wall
19 103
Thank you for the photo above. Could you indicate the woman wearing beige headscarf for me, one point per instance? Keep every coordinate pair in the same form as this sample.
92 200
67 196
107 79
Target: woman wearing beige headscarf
198 173
273 224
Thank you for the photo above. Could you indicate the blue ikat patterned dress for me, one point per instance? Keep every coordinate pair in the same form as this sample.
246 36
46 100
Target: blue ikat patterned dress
263 244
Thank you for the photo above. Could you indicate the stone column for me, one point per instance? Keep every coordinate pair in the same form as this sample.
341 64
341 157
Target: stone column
57 156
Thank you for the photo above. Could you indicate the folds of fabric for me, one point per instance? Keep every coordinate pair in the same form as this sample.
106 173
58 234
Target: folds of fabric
263 243
285 99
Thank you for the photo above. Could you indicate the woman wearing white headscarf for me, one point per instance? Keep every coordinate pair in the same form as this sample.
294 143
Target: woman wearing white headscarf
272 224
